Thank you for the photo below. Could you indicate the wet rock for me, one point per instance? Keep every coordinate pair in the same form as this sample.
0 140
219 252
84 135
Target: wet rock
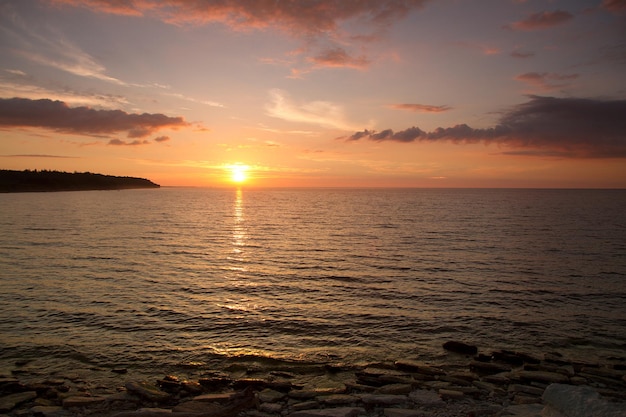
526 389
215 381
197 407
402 412
337 399
541 376
216 397
330 412
120 371
272 408
580 402
451 394
460 347
377 400
77 401
488 368
395 389
524 410
526 399
9 402
147 391
305 405
509 357
270 396
412 366
48 411
425 397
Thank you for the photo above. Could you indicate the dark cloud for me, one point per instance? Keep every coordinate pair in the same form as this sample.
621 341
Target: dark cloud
542 20
118 142
58 116
522 54
162 139
421 108
572 127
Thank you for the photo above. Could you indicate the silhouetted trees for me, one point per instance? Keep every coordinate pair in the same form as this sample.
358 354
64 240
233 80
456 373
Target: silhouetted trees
33 180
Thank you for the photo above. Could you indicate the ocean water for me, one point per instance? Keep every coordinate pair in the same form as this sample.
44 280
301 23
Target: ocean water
160 280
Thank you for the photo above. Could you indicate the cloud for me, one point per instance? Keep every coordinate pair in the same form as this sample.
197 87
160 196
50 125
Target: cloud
119 142
322 113
567 127
58 116
162 139
542 20
39 156
421 108
299 17
338 57
522 54
322 24
614 6
546 81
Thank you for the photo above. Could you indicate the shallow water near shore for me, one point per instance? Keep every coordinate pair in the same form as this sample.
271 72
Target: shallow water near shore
176 278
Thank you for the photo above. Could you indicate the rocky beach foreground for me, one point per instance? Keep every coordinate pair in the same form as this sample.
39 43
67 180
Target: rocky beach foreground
502 383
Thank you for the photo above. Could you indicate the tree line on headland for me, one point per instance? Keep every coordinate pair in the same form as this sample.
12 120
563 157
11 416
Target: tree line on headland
36 181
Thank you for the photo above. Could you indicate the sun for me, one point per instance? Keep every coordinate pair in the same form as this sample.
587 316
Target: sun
238 173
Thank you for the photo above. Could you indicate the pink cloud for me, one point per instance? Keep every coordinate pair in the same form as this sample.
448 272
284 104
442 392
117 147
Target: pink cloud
614 6
542 20
546 81
338 57
421 108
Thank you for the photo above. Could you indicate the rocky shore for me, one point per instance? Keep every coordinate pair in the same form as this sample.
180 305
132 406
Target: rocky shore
501 383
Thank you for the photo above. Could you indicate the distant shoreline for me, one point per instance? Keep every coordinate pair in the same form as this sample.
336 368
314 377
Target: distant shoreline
51 181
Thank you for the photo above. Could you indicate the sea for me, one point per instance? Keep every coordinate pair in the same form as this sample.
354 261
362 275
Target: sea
175 280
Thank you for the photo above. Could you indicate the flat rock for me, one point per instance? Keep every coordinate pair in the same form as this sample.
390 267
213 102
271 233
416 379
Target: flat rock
271 396
402 412
48 411
330 412
460 347
420 368
7 403
488 368
425 397
337 399
215 398
524 410
147 391
82 401
452 394
271 408
197 407
305 405
573 401
395 389
380 399
541 376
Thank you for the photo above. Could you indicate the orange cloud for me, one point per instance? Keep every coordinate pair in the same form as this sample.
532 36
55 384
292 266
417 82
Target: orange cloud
338 57
546 80
542 20
421 108
549 126
58 116
301 17
615 6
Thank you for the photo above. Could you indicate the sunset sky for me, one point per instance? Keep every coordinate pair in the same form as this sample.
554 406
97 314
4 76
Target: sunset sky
393 93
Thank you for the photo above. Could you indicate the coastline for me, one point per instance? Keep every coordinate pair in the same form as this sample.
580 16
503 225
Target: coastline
471 384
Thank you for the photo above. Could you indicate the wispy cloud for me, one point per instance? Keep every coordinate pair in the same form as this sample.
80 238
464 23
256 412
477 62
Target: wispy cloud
322 113
567 127
58 116
421 108
542 20
522 54
546 81
321 24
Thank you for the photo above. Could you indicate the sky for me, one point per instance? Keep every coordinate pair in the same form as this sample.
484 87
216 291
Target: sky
318 93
